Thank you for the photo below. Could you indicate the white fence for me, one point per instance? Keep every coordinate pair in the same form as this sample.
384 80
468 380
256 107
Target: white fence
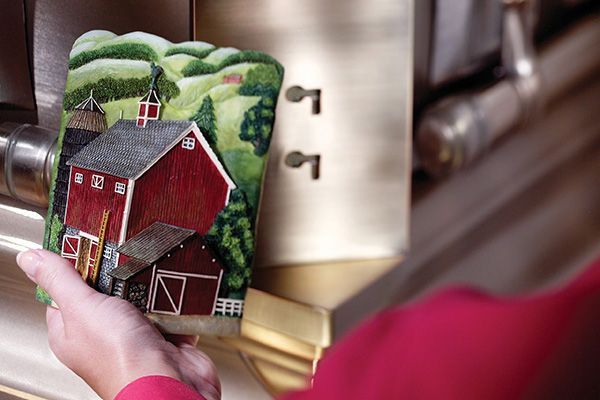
230 307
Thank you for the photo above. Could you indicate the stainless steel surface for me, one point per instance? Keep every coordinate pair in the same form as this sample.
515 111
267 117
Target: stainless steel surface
466 36
55 24
457 130
26 159
526 218
360 55
16 92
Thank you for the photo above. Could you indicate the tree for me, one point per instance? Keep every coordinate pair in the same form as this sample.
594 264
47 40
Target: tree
206 120
232 237
257 125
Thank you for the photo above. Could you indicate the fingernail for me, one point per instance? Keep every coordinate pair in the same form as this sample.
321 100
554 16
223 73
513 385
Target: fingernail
29 261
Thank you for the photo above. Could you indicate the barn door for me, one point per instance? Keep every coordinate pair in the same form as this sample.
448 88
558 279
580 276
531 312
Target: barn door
168 294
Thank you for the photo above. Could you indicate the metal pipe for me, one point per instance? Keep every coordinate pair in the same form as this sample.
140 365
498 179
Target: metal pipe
26 159
456 131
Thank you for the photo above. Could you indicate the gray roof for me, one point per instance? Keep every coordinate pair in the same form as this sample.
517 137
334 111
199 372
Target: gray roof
131 267
126 150
154 242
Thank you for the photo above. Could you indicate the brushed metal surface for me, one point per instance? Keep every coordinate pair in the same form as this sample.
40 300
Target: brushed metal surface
360 54
55 24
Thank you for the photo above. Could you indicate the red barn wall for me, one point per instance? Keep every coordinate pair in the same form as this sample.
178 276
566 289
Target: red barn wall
184 188
199 295
86 205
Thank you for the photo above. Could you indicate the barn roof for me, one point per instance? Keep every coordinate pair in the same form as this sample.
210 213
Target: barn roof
154 242
126 150
131 267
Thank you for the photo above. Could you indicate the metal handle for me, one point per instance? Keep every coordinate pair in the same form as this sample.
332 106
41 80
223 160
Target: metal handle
26 160
456 131
296 159
295 94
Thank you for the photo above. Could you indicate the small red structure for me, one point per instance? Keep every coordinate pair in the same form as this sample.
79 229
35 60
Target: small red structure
233 79
125 182
174 266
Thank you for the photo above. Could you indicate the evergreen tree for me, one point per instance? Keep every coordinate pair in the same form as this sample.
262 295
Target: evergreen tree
206 120
232 237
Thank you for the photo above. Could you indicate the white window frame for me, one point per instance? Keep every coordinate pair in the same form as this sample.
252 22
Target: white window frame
78 177
98 182
120 188
107 253
66 255
189 143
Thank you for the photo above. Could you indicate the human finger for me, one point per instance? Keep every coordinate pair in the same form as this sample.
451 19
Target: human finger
55 275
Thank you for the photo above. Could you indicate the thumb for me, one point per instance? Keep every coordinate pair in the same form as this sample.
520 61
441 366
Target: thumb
55 275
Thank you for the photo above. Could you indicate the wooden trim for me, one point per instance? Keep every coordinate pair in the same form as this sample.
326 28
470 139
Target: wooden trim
217 293
126 211
186 274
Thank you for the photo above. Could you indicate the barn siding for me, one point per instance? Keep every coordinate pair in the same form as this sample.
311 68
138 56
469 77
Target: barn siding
86 204
184 188
199 294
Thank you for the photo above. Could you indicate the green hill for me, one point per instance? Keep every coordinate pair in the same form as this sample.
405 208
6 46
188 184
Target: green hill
117 69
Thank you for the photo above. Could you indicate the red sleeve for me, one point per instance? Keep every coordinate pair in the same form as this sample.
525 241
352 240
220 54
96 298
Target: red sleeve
158 388
462 344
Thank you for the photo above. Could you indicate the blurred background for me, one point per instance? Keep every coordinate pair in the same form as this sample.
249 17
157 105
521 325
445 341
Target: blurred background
418 144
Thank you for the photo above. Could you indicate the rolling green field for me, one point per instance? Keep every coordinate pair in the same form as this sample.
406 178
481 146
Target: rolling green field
125 60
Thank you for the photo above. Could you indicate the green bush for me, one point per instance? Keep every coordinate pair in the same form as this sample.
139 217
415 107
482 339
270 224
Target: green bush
232 237
198 53
109 89
124 51
198 67
257 125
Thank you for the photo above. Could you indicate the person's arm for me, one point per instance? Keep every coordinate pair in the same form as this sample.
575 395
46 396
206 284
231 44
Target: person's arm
463 344
110 344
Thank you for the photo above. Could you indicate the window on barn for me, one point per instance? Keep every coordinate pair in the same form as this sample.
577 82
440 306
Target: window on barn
152 111
70 247
120 188
107 254
188 143
78 177
97 181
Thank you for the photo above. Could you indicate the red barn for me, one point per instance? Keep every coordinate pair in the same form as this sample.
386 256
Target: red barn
164 266
233 79
132 176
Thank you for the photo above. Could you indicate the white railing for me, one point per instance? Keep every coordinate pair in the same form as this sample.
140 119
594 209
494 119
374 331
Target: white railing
230 307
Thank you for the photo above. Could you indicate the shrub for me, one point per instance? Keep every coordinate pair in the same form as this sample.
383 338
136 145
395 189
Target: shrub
109 89
198 53
231 237
198 67
124 51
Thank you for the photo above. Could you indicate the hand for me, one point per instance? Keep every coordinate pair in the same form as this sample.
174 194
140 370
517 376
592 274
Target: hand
106 340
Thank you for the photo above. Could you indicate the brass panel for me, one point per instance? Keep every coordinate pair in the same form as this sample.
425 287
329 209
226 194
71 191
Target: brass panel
286 343
360 54
307 323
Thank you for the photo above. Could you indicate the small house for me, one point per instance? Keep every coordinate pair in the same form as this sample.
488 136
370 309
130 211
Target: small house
233 79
